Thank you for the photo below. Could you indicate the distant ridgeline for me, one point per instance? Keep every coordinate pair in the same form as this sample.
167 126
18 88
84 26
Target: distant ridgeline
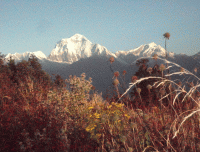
77 55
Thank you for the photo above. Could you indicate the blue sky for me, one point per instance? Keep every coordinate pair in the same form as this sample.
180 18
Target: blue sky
32 25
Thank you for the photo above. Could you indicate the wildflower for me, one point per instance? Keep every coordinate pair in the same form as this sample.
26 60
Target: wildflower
116 74
162 67
180 84
119 105
191 84
109 106
116 82
93 87
127 116
195 70
97 107
133 125
90 108
98 135
149 87
113 103
124 72
166 35
162 91
112 59
97 115
144 67
138 90
103 120
134 78
122 138
90 79
83 75
90 127
182 69
149 70
44 129
115 118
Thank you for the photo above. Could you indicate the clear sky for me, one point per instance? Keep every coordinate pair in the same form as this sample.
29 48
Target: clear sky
32 25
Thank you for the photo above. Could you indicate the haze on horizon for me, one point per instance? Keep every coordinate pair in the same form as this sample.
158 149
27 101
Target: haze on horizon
117 25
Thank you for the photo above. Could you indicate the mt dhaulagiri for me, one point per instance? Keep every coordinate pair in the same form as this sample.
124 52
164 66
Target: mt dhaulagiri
76 47
77 55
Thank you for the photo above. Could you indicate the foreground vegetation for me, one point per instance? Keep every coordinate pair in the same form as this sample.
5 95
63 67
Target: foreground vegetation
40 113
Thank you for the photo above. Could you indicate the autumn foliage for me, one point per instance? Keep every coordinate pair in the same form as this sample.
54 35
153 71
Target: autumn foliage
41 113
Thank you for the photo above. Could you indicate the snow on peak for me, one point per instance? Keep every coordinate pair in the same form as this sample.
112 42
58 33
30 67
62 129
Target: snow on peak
25 56
39 54
152 44
146 50
78 37
74 48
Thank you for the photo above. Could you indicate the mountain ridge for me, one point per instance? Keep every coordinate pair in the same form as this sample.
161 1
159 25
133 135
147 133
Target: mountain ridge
94 60
70 50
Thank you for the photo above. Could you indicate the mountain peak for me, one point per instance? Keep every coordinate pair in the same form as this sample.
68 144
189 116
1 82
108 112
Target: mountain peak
76 47
78 37
71 49
152 44
146 50
25 56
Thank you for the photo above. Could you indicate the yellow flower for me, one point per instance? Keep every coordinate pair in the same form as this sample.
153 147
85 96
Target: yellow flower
97 115
90 108
109 106
127 116
98 135
119 121
119 105
90 127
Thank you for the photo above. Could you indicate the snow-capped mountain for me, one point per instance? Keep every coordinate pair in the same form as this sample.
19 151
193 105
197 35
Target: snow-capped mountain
25 56
77 55
76 47
147 50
